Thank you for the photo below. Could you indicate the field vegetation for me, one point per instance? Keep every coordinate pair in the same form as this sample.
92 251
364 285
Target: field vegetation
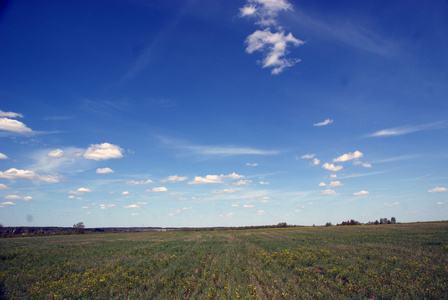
396 261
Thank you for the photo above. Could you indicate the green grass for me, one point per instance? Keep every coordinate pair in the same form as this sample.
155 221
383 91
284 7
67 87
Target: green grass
404 261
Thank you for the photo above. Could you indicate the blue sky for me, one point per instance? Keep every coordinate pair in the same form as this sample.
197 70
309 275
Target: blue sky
222 113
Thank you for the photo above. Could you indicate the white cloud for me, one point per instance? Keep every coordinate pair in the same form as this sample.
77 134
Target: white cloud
131 206
173 178
332 167
251 165
103 151
85 207
308 156
106 206
243 182
391 204
361 193
125 193
71 197
438 190
316 161
335 184
224 191
349 156
366 165
56 153
3 187
135 214
248 206
261 212
233 176
264 182
13 126
159 189
273 46
322 184
140 182
12 197
27 198
83 190
326 122
14 173
265 11
175 212
104 170
405 129
3 156
214 178
141 203
10 114
227 151
328 192
8 203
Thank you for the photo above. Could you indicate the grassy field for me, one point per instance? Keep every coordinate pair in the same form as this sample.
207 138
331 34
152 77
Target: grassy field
407 261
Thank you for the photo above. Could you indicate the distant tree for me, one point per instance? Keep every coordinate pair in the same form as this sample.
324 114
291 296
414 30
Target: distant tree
328 224
282 225
393 220
79 228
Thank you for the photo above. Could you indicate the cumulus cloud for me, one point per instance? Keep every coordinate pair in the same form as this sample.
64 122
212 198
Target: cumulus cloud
214 178
173 178
14 173
125 193
83 190
103 151
361 193
322 184
316 162
140 182
332 167
248 206
326 122
104 170
243 182
308 156
131 206
261 212
224 191
335 184
349 156
3 156
159 189
55 153
3 187
264 182
391 204
273 45
13 126
366 165
8 203
438 190
264 11
328 192
12 197
106 206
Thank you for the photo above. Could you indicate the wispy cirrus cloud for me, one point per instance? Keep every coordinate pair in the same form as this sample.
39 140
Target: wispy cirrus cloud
202 150
406 129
